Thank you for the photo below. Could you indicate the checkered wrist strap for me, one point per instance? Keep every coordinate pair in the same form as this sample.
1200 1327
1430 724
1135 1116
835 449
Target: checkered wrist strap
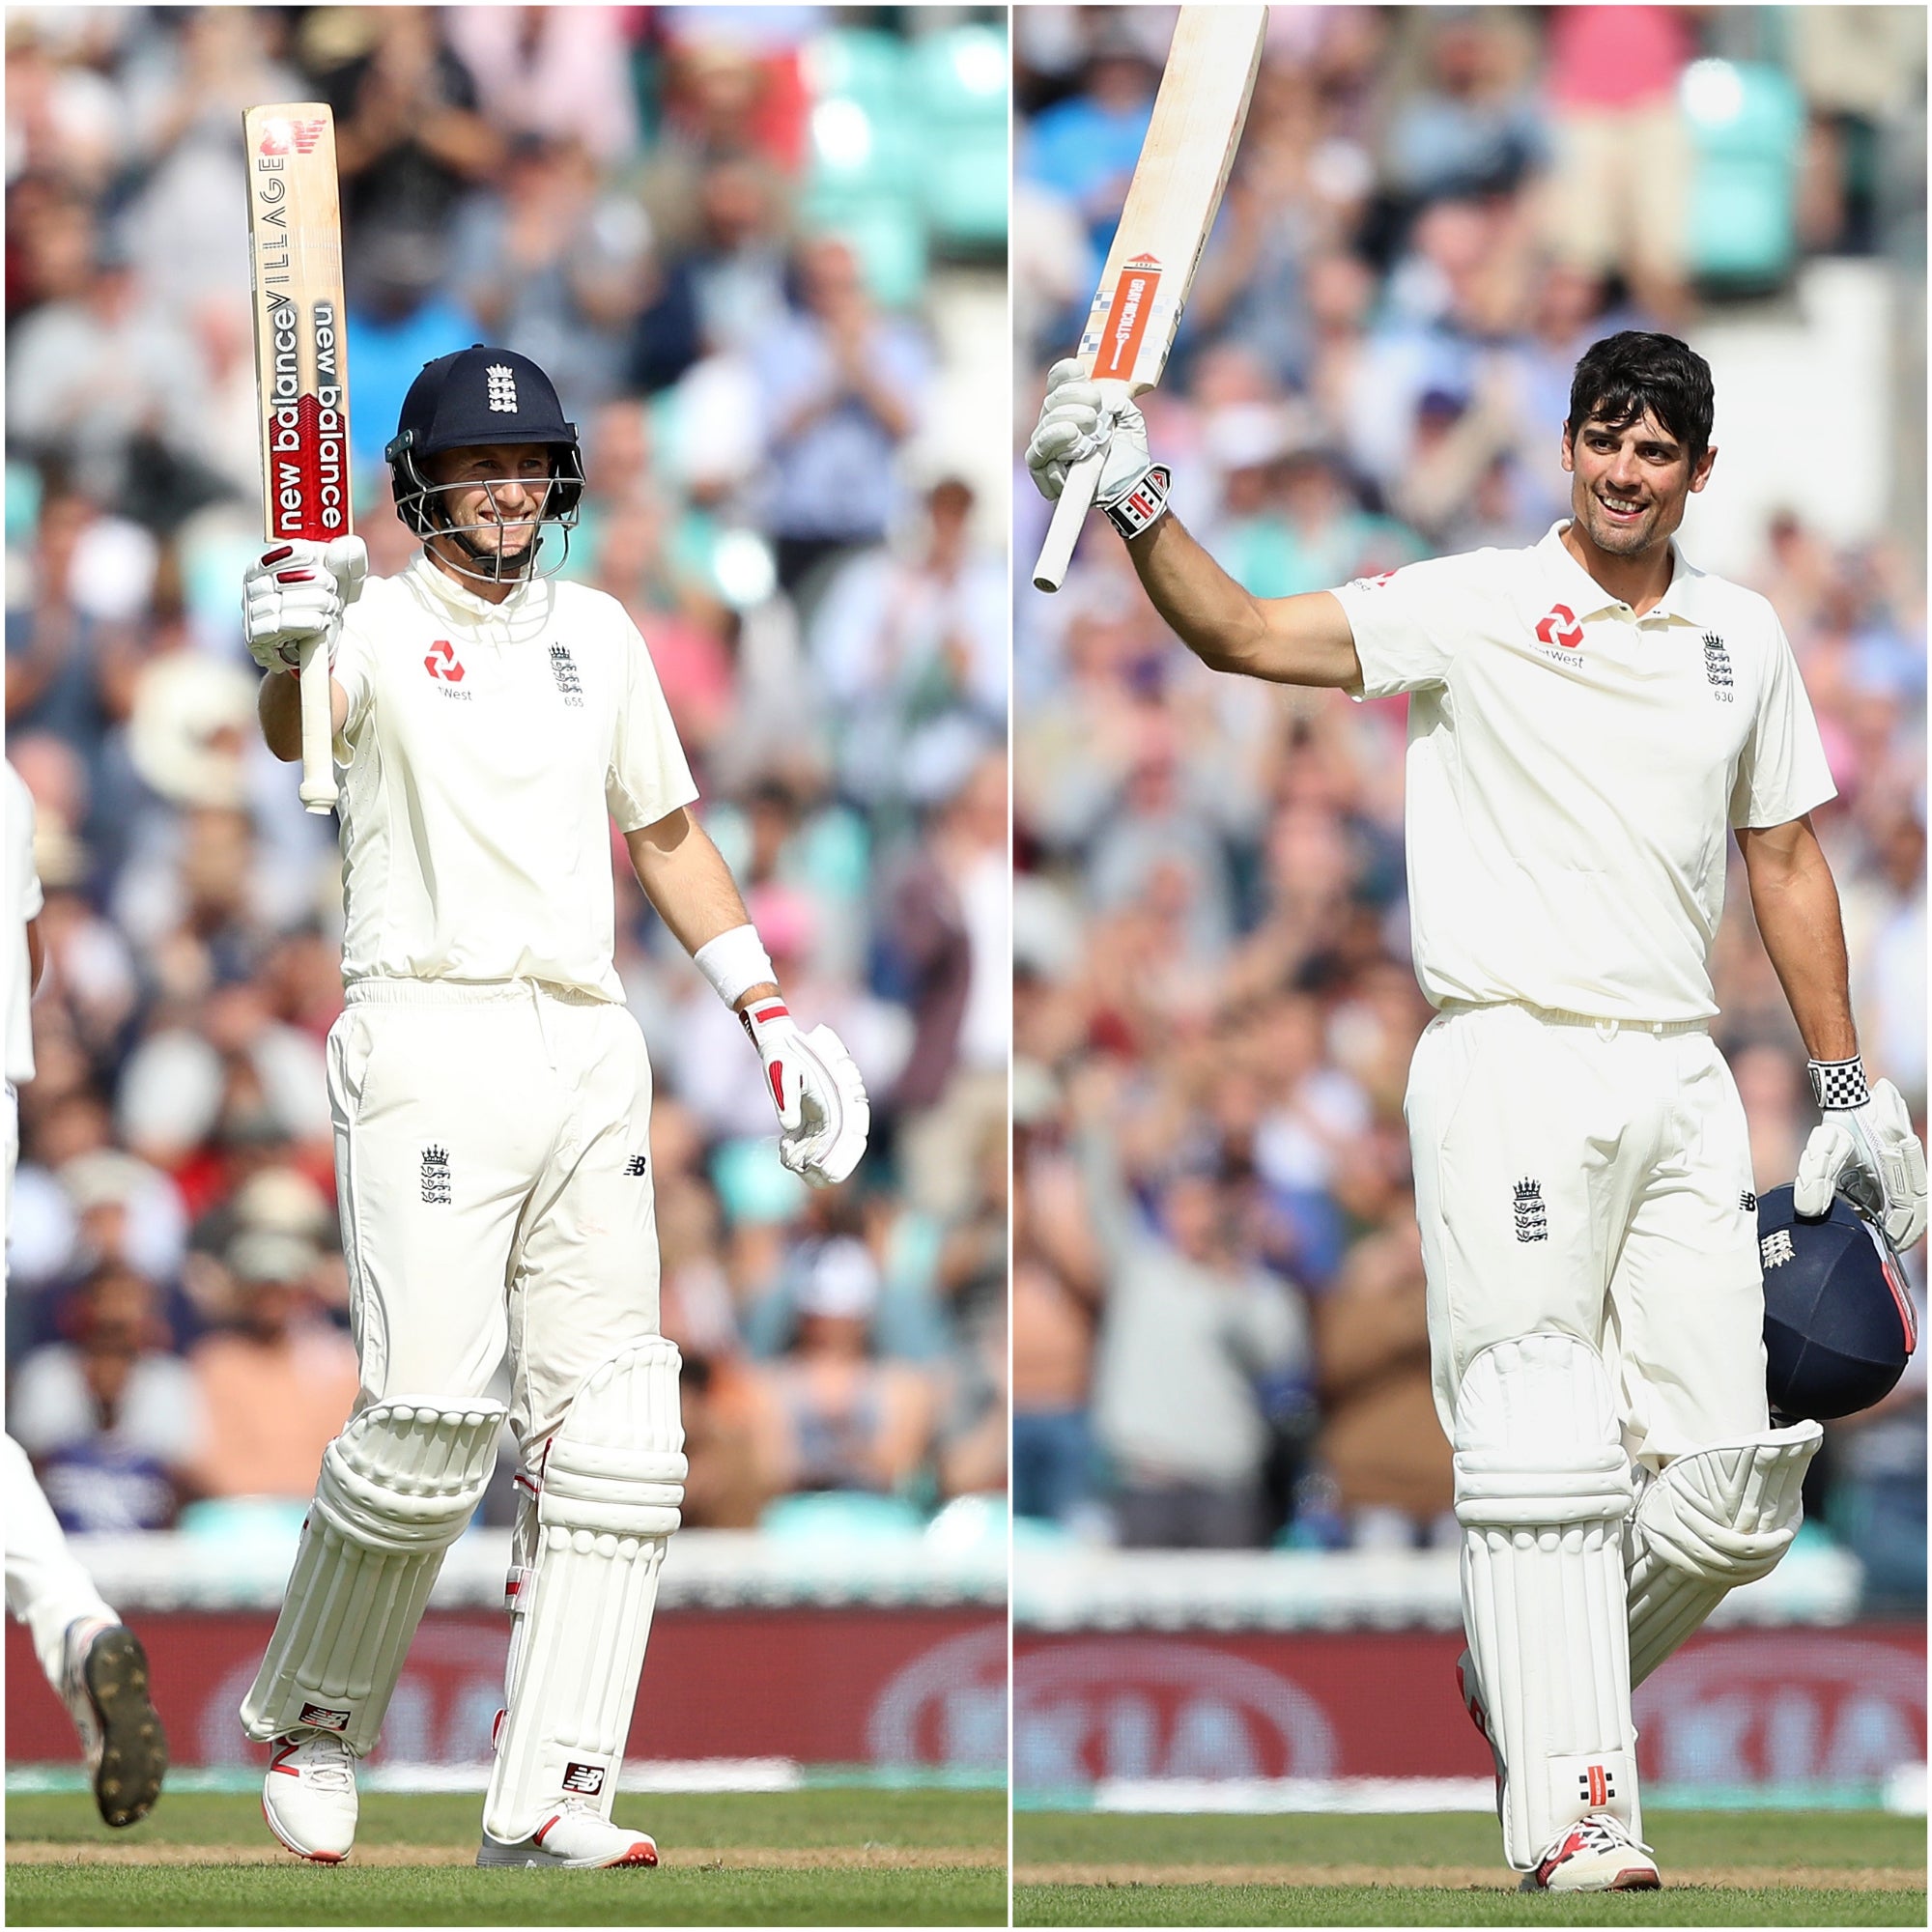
1839 1084
1140 508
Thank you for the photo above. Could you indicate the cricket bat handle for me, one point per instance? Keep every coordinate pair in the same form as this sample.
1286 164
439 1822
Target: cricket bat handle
318 778
1068 514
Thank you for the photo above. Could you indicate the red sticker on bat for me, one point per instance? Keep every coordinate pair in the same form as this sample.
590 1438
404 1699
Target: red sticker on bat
1127 319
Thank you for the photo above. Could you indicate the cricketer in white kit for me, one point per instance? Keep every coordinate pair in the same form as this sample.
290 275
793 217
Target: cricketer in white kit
1588 719
94 1662
491 1096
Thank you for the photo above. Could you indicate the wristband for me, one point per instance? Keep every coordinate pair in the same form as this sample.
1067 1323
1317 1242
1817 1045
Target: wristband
1837 1084
734 963
1140 508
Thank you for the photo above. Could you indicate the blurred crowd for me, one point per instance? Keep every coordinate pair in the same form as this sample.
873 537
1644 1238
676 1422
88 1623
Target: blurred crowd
638 198
1218 1313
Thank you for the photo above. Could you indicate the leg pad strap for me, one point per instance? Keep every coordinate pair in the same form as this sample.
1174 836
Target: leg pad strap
397 1488
1542 1489
613 1487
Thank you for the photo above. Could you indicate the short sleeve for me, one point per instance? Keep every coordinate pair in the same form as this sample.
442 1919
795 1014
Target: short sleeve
1405 624
648 775
1782 771
21 847
353 669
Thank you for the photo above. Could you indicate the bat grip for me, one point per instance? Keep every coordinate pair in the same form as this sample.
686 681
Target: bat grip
1068 514
318 778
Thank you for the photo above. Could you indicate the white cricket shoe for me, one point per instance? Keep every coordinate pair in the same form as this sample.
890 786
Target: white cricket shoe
1597 1854
576 1836
104 1684
309 1795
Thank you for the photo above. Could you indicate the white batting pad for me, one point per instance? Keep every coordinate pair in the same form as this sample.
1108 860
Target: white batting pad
397 1488
613 1484
1542 1488
1710 1520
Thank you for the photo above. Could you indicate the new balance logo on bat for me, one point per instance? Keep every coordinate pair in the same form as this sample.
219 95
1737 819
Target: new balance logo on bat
502 387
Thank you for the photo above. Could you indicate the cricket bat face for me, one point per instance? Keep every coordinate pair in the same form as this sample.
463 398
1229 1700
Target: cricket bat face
1177 187
1198 116
294 245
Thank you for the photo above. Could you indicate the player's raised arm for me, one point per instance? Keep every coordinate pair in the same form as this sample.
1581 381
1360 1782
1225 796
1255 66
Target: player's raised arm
1286 639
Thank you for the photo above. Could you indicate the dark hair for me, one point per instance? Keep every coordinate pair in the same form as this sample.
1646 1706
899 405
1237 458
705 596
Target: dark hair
1623 376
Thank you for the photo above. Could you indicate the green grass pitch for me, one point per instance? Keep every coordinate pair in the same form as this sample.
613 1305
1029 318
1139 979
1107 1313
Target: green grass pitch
806 1857
1719 1868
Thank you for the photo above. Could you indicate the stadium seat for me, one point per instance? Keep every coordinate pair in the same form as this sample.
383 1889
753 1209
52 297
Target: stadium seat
832 1517
1746 123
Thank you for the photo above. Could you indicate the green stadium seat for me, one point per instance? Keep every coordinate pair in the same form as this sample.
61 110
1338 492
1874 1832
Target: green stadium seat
960 77
831 1516
965 185
1747 124
886 234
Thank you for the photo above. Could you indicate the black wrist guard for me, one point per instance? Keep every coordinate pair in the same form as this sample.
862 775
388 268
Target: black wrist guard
1837 1084
1140 508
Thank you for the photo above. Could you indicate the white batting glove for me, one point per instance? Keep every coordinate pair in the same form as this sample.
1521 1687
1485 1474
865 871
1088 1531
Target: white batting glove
298 590
1863 1147
823 1113
1075 421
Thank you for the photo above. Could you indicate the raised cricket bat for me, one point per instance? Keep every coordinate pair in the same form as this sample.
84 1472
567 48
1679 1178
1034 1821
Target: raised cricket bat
302 374
1198 116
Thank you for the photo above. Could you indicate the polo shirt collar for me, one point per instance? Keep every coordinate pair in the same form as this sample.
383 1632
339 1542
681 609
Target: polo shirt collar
1587 598
457 597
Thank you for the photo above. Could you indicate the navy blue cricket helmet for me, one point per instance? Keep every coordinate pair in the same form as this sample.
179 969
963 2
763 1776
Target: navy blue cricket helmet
1838 1320
476 396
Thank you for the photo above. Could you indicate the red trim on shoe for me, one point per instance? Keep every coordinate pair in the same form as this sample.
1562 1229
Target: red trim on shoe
290 1845
1575 1843
538 1836
277 1754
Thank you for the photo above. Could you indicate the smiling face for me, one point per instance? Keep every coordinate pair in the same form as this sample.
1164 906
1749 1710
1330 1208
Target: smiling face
495 494
1630 484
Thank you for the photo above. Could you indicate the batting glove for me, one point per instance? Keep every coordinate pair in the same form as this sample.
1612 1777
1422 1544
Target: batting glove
823 1113
295 591
1863 1147
1074 420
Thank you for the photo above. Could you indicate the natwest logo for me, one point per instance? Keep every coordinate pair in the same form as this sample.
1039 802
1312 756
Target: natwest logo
442 663
1560 627
281 137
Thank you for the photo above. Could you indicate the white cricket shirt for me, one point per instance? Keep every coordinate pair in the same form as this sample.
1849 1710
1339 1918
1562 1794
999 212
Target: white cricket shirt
486 751
23 903
1574 772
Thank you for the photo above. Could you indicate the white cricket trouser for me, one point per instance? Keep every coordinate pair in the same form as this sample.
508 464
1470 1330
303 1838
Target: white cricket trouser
46 1588
492 1155
1593 1178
